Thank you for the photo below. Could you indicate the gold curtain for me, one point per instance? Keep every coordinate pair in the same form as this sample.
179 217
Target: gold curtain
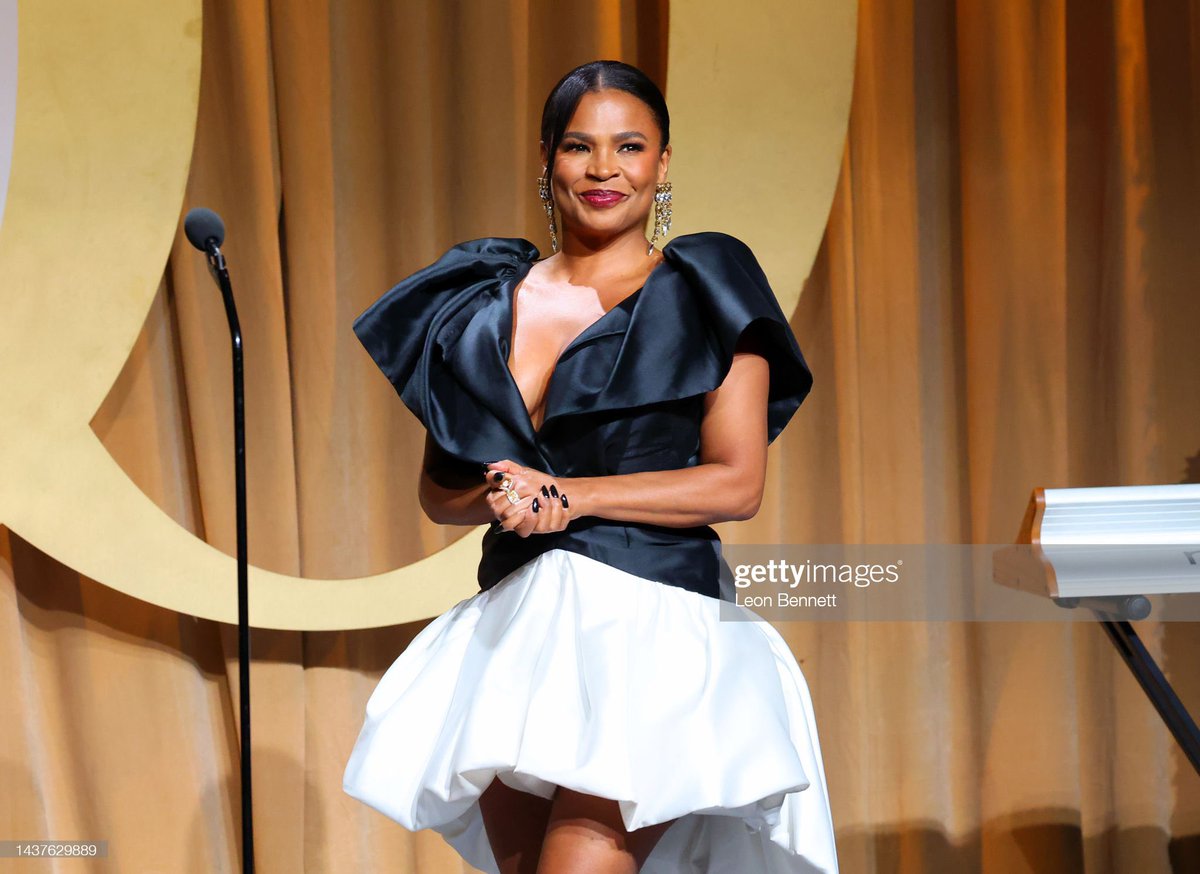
1005 298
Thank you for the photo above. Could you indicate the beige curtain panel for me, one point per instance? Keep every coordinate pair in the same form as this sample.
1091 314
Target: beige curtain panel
1006 297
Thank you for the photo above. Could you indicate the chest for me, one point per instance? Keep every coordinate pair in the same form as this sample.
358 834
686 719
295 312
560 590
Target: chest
546 318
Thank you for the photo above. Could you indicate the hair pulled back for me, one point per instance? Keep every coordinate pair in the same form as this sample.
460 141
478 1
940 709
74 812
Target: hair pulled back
597 76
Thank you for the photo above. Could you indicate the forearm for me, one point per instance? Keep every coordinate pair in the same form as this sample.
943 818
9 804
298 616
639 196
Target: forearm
682 498
448 505
679 498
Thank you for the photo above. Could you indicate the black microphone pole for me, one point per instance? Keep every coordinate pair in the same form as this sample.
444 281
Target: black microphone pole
206 232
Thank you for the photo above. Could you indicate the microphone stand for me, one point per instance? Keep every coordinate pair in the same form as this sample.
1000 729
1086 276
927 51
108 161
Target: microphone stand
216 266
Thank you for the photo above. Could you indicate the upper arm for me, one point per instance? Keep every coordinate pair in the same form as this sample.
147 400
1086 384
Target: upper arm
734 428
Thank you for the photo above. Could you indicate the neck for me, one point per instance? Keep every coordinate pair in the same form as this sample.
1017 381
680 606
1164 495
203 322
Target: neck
618 254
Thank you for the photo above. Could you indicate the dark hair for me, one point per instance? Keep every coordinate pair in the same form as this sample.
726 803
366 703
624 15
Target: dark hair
596 76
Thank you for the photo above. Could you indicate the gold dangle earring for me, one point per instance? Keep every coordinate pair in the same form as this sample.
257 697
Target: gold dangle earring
548 203
662 213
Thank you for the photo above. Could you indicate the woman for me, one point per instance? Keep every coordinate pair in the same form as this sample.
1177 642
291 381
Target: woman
587 710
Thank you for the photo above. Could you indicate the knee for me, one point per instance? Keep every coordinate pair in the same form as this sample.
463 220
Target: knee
587 834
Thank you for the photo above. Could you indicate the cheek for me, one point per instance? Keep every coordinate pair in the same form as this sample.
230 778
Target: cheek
646 170
566 174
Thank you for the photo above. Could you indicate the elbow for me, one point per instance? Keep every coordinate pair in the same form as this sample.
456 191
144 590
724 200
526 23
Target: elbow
431 507
741 494
748 508
747 505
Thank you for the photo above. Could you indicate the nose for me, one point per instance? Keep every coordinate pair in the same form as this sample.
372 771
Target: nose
601 165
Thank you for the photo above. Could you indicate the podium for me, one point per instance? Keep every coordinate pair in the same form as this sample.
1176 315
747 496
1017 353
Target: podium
1108 550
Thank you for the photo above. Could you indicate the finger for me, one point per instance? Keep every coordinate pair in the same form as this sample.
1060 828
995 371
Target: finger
495 476
522 491
558 515
497 498
543 506
529 485
538 513
555 518
552 510
512 518
503 466
518 481
498 502
529 523
498 494
518 523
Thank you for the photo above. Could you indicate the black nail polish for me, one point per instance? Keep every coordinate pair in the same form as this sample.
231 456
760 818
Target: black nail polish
497 476
564 500
553 490
545 492
535 505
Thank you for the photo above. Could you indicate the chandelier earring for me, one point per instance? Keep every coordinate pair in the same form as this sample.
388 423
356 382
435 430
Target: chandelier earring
548 203
662 213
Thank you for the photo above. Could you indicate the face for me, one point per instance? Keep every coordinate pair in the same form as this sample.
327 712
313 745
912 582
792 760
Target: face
607 165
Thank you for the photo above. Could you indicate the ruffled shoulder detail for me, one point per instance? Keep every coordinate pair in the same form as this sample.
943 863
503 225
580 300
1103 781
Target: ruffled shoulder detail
395 328
733 289
408 331
680 339
441 336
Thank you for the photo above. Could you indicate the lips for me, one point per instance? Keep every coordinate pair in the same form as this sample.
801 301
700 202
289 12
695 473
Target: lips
602 197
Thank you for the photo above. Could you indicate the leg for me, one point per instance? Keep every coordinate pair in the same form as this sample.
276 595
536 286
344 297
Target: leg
515 822
586 835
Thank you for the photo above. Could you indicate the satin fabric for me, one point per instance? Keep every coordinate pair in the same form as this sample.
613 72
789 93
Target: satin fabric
625 396
573 673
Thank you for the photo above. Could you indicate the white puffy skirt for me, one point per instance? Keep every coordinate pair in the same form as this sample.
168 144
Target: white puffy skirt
570 672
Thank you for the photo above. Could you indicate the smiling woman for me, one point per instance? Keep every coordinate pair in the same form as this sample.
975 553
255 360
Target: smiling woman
588 708
605 153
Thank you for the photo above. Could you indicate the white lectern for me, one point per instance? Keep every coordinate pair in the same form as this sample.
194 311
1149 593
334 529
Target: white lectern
1106 549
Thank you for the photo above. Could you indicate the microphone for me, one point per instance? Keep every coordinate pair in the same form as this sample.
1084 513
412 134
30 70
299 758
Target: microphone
206 231
202 226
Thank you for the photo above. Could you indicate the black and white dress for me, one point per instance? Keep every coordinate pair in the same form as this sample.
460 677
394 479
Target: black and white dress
597 657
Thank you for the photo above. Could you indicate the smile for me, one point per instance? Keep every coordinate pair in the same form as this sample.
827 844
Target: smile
602 198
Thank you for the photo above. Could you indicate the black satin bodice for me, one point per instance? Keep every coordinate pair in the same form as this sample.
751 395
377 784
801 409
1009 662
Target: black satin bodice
626 395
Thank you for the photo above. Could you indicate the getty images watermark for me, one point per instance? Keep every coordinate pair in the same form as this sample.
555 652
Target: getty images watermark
960 582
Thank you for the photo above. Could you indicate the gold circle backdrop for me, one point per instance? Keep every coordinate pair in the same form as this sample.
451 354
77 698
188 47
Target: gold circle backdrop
106 112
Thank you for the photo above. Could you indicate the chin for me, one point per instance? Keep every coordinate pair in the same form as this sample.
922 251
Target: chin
593 228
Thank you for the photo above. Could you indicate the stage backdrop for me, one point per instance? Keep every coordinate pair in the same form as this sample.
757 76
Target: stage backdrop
1003 299
114 126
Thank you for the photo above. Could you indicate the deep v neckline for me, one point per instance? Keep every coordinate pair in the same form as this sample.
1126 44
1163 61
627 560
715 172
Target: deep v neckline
510 301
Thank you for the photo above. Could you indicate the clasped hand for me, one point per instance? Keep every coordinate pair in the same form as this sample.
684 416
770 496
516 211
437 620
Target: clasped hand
542 508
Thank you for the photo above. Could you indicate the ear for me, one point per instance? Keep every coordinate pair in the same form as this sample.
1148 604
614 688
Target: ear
664 161
542 152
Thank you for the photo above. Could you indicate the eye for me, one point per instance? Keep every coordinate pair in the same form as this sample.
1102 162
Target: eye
637 147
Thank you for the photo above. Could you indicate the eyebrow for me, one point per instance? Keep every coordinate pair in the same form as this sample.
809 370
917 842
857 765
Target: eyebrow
587 138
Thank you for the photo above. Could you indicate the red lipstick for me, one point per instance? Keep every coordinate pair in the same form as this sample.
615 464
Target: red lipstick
602 197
